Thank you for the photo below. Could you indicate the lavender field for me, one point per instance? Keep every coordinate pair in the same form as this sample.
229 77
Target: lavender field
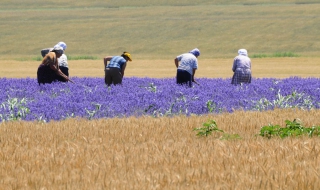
25 99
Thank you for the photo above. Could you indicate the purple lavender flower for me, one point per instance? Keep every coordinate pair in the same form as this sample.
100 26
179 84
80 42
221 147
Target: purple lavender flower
91 98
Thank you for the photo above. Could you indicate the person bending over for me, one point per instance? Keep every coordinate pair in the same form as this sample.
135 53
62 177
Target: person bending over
63 60
187 67
49 69
114 70
241 68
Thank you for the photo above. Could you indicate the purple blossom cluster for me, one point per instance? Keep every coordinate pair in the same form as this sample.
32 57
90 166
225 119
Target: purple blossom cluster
90 98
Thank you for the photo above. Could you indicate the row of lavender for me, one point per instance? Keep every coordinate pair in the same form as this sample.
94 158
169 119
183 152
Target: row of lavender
91 98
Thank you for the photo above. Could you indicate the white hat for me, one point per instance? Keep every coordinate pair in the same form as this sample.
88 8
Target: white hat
243 52
62 44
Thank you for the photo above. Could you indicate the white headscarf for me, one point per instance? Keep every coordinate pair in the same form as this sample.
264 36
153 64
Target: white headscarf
62 44
243 52
195 52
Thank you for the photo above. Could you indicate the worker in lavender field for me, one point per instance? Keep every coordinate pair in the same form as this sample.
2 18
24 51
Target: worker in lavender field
49 69
241 68
63 60
114 70
187 64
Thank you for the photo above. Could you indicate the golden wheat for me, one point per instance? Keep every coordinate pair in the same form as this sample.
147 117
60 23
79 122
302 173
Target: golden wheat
158 153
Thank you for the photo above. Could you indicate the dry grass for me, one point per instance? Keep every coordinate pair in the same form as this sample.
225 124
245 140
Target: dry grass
208 68
158 153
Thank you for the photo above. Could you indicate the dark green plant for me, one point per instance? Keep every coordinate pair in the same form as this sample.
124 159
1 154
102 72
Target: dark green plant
292 128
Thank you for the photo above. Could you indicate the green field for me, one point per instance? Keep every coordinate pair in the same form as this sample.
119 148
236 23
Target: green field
159 29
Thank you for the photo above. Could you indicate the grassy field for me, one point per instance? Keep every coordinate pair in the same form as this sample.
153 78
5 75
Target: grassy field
159 153
159 29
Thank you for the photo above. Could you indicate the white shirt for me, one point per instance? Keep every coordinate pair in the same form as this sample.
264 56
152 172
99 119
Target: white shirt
63 60
188 62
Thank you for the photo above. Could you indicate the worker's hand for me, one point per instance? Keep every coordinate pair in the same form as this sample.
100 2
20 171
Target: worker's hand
196 82
70 81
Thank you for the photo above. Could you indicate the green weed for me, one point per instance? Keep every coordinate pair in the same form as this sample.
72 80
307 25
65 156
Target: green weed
293 128
211 106
278 54
16 109
82 57
92 113
39 58
152 88
208 128
293 100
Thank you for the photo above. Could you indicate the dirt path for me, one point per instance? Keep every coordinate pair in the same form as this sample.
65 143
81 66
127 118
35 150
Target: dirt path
208 68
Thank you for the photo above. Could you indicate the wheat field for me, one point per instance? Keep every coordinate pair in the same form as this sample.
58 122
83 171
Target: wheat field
159 153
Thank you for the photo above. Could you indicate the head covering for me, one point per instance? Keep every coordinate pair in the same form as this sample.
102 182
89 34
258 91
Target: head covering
62 44
243 52
195 52
57 49
126 54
